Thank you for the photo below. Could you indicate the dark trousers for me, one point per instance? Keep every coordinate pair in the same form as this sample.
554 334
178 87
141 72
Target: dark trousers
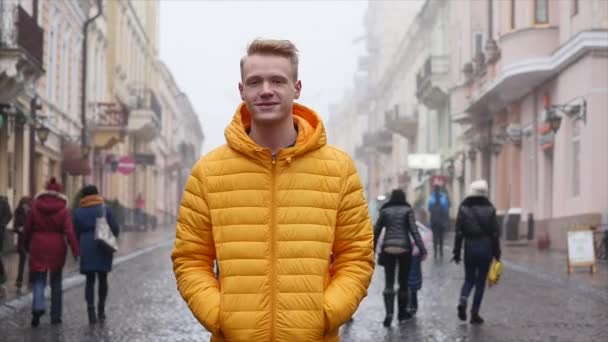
89 291
38 280
392 263
477 261
2 272
21 267
438 233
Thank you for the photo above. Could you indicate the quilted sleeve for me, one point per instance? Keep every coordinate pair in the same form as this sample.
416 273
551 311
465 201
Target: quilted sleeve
353 252
194 254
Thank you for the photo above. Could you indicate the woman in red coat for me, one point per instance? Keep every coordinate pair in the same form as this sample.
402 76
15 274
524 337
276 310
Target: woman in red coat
46 230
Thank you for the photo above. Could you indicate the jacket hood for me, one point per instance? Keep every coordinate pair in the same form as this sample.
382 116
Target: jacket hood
91 201
311 133
50 202
476 200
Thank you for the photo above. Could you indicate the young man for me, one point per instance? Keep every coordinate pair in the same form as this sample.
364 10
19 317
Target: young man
272 206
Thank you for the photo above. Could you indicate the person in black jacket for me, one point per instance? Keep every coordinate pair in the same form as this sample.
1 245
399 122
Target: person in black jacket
477 225
397 218
5 217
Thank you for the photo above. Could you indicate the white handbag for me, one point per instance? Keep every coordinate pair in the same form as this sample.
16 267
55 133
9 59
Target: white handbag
103 233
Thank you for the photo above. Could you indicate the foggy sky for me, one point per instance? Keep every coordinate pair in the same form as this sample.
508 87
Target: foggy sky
203 41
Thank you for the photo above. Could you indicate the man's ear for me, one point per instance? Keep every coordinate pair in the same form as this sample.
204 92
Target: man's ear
298 87
241 91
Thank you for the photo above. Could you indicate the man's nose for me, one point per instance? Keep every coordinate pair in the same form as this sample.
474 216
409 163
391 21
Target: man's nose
266 89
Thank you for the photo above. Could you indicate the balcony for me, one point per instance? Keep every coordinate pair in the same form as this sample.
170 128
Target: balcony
145 115
21 44
109 125
378 141
430 82
401 123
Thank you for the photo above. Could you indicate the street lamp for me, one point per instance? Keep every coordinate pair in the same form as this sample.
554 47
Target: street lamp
577 110
554 120
85 149
42 132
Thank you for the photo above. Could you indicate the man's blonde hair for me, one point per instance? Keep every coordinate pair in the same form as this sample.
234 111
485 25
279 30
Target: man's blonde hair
273 47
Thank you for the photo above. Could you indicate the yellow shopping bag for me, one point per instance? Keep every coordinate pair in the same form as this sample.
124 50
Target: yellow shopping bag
495 272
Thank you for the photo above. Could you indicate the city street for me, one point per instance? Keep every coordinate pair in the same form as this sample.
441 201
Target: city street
145 306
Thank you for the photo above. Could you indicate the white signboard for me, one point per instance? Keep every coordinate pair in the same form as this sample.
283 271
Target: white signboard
580 248
422 161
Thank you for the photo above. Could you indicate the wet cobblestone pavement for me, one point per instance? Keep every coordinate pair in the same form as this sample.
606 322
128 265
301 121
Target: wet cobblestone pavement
145 306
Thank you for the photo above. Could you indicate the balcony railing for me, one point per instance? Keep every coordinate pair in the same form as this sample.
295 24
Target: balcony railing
146 99
402 123
111 115
427 90
381 141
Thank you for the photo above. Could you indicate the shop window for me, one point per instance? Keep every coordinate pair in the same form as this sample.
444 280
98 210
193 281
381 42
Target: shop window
512 15
574 7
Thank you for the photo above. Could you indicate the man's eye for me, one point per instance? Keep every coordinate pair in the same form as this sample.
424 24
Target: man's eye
278 81
256 82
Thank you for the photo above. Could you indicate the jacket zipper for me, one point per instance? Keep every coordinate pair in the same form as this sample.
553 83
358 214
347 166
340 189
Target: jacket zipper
273 275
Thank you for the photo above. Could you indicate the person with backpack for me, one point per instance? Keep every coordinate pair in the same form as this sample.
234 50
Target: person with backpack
477 226
21 213
439 211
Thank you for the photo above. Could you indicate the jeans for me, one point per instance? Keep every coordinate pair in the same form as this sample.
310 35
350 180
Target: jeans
477 261
38 280
390 265
89 291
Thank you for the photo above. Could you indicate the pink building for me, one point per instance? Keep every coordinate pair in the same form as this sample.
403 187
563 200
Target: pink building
532 96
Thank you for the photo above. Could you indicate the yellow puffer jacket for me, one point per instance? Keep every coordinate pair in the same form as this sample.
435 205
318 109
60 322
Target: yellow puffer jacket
273 226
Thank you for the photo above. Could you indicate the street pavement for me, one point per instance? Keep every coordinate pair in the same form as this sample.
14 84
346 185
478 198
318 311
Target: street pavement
525 306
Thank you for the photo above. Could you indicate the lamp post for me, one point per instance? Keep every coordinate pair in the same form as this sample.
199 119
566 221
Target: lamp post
34 107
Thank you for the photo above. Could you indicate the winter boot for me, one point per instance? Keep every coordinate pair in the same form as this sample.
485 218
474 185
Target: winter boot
475 318
101 313
462 312
389 305
403 313
414 302
36 317
92 317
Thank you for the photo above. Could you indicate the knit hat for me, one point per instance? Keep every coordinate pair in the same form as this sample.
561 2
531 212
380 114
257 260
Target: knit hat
479 188
54 185
90 189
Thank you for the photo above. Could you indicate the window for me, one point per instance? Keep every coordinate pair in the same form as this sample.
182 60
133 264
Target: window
541 11
574 7
512 15
576 159
477 43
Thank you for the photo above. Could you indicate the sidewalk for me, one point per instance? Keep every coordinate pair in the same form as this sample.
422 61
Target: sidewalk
128 242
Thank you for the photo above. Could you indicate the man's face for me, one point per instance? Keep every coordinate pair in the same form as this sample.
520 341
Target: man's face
268 88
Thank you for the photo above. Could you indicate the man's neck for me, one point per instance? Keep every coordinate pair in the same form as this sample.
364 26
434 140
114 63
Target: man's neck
274 137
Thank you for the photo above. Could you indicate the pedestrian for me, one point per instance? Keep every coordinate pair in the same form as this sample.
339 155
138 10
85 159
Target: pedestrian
272 206
5 217
438 206
414 280
46 230
397 218
95 259
477 225
140 205
21 213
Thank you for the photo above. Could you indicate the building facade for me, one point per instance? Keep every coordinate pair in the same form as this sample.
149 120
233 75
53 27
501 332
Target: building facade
532 101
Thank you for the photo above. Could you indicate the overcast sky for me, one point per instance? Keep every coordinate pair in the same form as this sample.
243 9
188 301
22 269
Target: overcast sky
203 41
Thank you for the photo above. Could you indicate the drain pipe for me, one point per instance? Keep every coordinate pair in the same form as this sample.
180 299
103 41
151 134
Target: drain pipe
83 88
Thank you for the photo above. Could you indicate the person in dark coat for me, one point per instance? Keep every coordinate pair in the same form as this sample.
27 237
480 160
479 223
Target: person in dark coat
46 230
96 260
439 212
397 218
477 225
5 217
21 213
